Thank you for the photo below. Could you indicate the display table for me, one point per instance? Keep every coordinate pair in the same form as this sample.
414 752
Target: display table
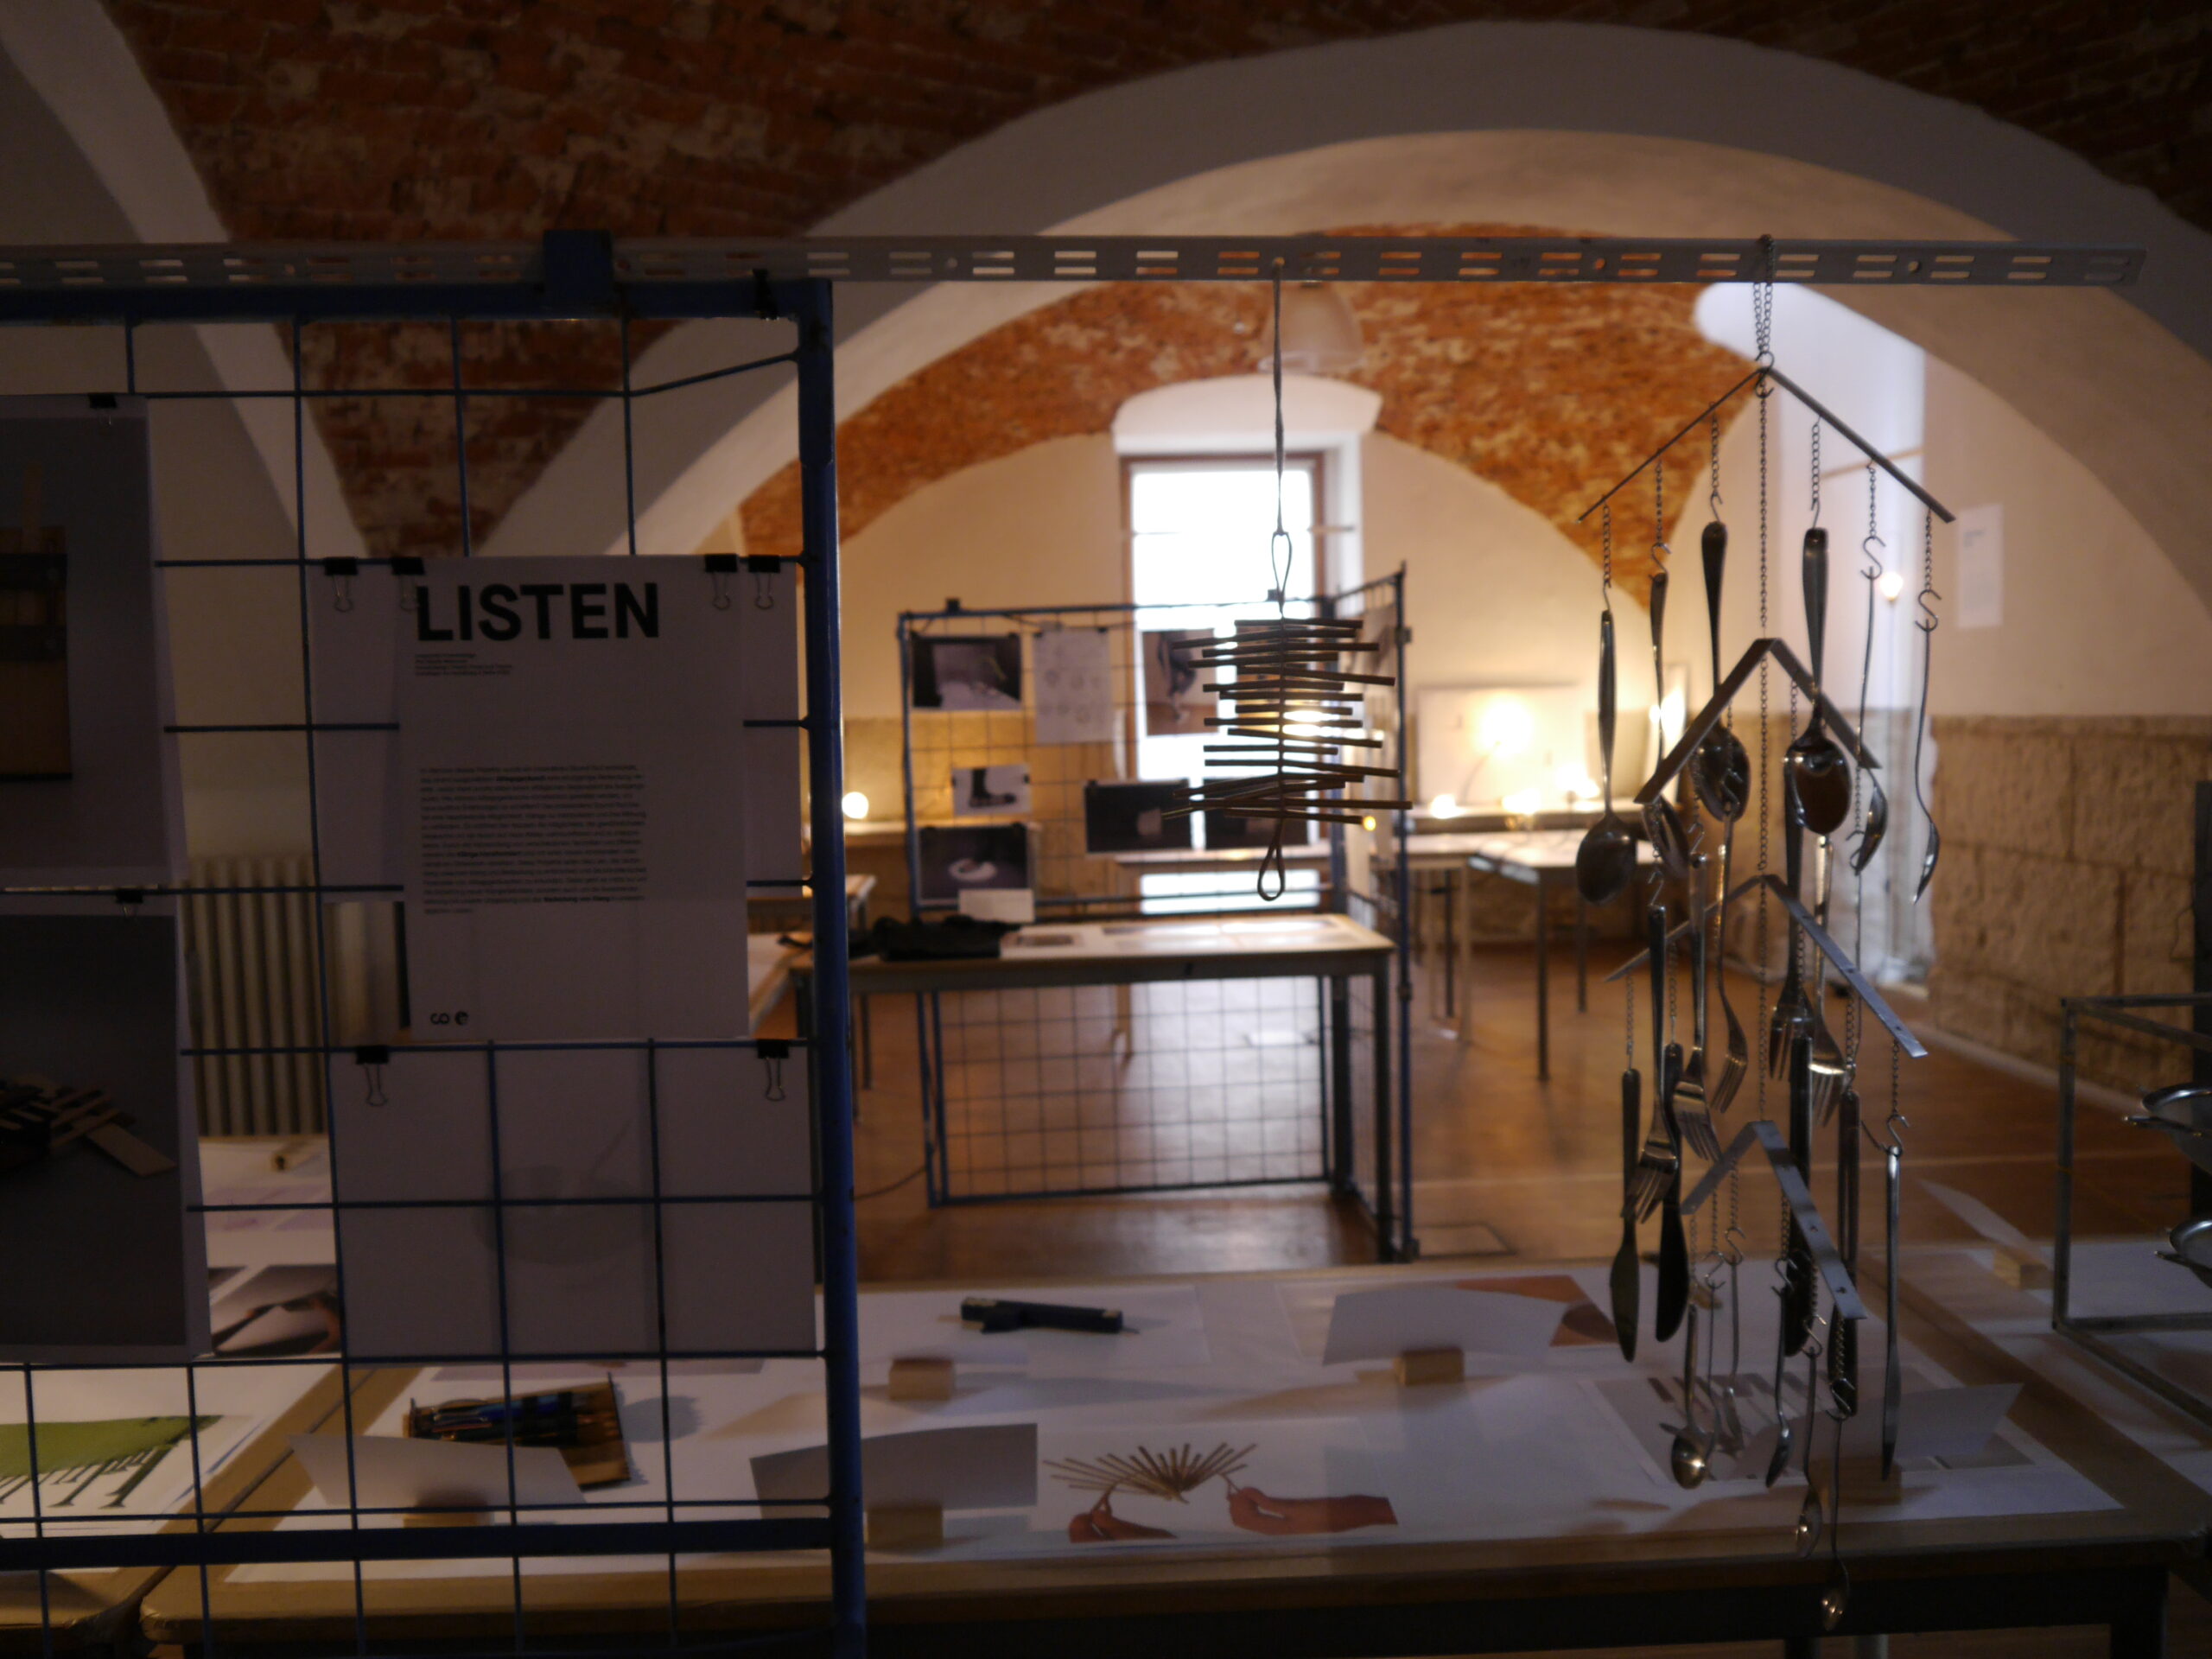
1525 1507
261 1406
1542 859
1015 1060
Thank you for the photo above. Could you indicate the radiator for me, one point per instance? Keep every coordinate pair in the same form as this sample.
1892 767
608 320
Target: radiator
249 967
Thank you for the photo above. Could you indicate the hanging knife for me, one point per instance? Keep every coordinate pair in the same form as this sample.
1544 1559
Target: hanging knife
1843 1340
1892 1363
1627 1282
1798 1307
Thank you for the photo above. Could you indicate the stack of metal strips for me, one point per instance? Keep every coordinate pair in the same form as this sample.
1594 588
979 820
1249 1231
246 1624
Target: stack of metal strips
1297 709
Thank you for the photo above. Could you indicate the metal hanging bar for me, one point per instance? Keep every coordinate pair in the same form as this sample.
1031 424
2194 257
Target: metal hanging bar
588 273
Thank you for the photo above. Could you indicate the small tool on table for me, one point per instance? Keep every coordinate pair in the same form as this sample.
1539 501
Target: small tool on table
995 1314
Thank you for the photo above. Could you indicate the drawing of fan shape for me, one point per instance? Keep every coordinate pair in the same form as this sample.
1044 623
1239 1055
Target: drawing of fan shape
1171 1475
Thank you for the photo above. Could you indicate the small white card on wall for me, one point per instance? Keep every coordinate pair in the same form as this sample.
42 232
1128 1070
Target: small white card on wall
1981 567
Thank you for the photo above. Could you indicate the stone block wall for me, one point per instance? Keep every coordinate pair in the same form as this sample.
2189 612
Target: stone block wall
2065 872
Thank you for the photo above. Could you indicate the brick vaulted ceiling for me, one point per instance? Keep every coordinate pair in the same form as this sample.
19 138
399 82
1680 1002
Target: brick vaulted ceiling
424 119
1551 393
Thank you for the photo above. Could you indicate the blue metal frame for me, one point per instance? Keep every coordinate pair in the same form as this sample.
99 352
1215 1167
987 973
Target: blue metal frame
573 277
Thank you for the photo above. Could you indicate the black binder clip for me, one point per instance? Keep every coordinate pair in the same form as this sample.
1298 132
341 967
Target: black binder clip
403 566
762 567
721 567
342 573
773 1052
372 1058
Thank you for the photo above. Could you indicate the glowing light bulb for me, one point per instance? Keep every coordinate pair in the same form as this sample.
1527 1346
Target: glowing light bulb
1444 807
1368 824
1523 803
855 805
1509 725
1890 584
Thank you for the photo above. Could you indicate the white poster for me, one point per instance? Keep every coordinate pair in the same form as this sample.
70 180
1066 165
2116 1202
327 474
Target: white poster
572 788
89 790
1074 670
1981 567
576 1131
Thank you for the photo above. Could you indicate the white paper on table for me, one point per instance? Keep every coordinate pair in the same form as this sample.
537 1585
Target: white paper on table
1383 1324
1015 905
573 792
1986 1221
990 1466
1300 1459
390 1472
1073 671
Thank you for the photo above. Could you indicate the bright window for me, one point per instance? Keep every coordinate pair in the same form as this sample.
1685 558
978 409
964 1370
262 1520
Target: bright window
1202 532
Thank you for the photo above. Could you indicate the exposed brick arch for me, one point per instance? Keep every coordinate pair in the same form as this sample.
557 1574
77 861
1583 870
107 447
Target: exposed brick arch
397 119
1550 393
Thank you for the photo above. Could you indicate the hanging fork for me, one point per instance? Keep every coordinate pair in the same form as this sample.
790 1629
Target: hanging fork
1693 1115
1660 1163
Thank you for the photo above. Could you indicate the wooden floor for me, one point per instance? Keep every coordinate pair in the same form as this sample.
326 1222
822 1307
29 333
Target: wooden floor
1501 1159
1536 1163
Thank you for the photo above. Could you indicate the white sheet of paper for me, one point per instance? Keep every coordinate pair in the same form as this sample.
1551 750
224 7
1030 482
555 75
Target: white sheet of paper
573 789
119 817
390 1472
1383 1324
355 625
1985 1221
1073 671
991 1466
1016 905
1981 567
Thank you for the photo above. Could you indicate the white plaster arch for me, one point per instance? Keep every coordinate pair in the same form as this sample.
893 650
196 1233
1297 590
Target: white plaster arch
71 53
1593 127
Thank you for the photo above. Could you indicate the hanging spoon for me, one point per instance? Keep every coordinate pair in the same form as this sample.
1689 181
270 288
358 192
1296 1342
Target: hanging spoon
1935 847
1605 862
1810 1512
1720 770
1817 778
1835 1596
1691 1458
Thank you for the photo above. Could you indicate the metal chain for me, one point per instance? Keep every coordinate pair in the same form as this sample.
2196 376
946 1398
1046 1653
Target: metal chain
1817 470
1607 522
1760 935
1713 441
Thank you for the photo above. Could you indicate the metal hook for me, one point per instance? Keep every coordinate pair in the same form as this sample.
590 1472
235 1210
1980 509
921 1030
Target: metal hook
764 590
344 602
719 581
774 1066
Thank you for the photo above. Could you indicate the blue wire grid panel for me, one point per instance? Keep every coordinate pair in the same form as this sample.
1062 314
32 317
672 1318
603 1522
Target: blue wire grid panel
113 1475
1109 1088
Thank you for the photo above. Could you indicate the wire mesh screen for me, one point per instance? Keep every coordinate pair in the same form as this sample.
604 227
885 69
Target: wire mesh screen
1045 753
1374 895
1130 1088
511 1285
1012 785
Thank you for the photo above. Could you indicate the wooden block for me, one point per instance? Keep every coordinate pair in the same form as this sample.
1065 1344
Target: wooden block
921 1379
2019 1270
456 1517
1863 1482
907 1526
1420 1366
